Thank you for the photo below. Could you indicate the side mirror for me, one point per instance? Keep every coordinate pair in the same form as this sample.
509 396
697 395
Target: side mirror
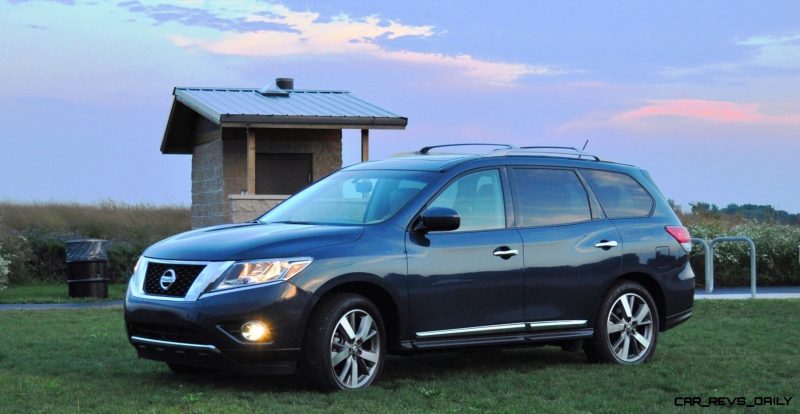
438 219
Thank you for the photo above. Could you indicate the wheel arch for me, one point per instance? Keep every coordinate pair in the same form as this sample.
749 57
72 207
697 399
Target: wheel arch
653 287
374 288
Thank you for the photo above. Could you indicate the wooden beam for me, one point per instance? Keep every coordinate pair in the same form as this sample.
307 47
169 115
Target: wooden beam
364 145
251 161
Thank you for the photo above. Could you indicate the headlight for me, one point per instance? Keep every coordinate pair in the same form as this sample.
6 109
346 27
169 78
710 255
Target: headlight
260 271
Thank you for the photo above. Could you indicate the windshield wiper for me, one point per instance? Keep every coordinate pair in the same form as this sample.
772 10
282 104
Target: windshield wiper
290 222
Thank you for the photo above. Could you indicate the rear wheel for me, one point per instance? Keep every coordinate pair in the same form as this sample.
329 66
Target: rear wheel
345 344
626 329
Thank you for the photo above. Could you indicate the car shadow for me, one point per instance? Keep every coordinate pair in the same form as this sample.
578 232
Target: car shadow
435 364
422 366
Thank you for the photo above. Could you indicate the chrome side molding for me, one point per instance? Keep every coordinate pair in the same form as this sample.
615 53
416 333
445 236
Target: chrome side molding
545 325
508 327
504 328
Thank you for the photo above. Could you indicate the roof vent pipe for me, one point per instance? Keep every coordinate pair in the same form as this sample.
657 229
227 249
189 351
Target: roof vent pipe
284 83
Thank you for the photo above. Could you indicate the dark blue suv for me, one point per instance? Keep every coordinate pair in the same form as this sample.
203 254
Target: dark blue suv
534 245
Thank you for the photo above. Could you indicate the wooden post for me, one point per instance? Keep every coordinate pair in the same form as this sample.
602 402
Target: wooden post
251 161
364 145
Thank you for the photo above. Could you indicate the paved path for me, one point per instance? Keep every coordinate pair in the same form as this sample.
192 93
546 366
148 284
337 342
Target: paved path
74 305
777 292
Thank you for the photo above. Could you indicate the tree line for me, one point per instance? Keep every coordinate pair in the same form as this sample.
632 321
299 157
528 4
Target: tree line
757 212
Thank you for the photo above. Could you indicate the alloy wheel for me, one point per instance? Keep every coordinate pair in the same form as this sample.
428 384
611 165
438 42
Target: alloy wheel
630 327
355 349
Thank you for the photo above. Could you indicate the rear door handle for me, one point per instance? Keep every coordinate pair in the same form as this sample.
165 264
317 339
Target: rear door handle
505 252
606 244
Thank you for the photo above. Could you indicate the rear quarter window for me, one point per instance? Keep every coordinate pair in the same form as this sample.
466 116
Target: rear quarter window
620 195
548 197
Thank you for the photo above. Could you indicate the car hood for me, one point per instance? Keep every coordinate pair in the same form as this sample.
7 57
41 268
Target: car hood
249 241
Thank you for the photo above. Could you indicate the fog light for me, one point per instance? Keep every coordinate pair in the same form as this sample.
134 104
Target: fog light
255 331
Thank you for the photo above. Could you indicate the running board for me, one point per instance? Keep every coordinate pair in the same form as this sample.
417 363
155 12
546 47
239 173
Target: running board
498 340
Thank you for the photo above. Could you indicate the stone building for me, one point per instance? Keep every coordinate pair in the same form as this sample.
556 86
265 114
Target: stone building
253 148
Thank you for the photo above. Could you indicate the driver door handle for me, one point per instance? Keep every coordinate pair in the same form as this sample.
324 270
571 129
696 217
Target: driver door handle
505 253
606 244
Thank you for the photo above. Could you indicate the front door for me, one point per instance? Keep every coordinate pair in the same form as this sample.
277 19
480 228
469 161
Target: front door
467 281
571 250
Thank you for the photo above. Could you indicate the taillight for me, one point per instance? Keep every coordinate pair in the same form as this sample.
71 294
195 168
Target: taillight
681 234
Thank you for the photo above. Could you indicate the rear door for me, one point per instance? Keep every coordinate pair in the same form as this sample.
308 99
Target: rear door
460 282
571 250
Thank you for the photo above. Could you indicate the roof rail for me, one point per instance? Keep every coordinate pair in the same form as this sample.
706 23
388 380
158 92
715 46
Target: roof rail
551 147
505 149
426 150
546 150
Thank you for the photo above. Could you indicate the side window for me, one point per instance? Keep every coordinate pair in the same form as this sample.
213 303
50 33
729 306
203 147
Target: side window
619 194
389 196
478 199
547 197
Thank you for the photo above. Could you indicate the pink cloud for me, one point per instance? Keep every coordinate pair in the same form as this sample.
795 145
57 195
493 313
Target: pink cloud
703 110
359 37
696 114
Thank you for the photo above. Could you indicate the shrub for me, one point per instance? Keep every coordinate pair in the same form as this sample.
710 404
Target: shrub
776 253
35 235
3 270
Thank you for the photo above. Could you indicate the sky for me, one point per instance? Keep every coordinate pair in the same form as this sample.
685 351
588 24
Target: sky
703 94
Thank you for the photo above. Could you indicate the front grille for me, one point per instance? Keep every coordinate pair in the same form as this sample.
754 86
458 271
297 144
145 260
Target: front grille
166 333
184 277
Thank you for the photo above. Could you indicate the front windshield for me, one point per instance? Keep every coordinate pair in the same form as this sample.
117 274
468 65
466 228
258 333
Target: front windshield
351 197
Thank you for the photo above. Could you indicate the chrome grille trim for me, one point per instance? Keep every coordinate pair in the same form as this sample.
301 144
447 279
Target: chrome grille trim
211 272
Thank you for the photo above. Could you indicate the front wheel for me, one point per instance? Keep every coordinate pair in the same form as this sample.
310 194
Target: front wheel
345 344
626 331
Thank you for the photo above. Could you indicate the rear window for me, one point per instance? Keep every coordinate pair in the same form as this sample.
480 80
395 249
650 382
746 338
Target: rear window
548 197
620 195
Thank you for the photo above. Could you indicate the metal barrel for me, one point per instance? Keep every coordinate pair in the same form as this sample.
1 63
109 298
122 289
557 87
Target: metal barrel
87 261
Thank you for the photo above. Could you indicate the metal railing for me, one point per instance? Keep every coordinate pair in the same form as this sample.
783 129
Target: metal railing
708 248
709 266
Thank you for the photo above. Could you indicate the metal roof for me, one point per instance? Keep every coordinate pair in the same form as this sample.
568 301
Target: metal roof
246 105
270 108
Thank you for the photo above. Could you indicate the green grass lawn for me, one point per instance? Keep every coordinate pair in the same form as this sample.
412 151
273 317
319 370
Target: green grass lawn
80 361
52 293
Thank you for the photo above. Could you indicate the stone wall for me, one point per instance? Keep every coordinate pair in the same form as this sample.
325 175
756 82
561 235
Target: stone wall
250 207
208 198
325 145
219 168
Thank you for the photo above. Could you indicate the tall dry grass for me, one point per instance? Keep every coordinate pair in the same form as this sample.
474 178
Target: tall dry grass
32 235
107 219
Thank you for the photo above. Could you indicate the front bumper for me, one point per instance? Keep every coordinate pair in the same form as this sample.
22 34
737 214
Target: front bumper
200 332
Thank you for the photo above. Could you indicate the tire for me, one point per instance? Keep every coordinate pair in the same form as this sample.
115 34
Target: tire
181 369
339 335
618 322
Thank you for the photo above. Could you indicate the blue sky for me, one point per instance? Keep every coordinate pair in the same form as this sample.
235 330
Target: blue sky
705 95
